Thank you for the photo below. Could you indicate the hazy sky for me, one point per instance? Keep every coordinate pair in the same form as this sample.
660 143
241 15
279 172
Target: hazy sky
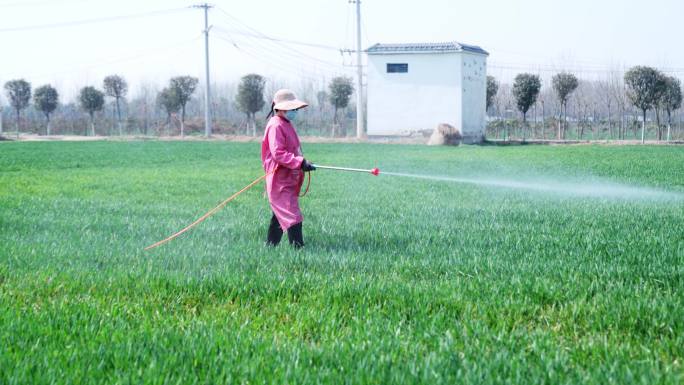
587 36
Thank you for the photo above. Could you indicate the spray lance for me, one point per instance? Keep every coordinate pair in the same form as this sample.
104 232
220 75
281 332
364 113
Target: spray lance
373 171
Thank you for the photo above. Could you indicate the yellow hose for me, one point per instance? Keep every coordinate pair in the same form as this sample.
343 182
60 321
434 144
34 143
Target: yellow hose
210 212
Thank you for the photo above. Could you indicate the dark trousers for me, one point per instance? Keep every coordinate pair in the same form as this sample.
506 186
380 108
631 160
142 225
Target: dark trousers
275 233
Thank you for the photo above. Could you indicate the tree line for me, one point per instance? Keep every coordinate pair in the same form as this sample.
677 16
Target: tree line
641 103
170 105
610 108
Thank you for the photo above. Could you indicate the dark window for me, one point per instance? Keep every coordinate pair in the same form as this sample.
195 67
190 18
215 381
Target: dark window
397 67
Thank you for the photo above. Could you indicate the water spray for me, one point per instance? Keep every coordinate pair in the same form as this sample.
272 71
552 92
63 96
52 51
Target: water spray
592 189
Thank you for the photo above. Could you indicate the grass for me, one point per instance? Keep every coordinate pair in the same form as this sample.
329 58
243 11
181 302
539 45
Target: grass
401 281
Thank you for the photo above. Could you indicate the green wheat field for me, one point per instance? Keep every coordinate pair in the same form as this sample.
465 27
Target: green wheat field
402 280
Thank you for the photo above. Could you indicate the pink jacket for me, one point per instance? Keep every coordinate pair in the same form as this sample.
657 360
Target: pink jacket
281 149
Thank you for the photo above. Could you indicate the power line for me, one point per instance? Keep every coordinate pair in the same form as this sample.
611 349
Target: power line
291 54
266 61
266 57
287 41
270 45
91 21
260 35
269 59
275 59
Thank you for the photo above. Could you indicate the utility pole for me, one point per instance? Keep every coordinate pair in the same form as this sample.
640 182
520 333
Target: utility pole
359 74
207 93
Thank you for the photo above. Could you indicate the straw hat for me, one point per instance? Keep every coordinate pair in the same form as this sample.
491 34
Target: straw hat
286 100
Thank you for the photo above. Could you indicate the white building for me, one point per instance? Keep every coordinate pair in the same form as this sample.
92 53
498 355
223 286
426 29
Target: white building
414 87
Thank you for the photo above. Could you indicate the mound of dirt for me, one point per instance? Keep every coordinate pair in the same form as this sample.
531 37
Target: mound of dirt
445 134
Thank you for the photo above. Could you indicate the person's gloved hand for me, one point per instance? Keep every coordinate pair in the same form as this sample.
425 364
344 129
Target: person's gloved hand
306 166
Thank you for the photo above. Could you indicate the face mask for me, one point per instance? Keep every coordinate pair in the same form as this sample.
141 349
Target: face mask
291 115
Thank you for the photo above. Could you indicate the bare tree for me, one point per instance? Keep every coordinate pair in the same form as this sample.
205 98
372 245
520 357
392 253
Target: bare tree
578 100
605 94
618 93
143 106
321 97
504 102
588 101
546 101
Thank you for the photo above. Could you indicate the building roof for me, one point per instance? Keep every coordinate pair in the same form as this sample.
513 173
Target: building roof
451 46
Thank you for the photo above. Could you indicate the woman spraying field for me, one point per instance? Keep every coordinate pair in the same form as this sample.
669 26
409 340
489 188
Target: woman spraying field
281 155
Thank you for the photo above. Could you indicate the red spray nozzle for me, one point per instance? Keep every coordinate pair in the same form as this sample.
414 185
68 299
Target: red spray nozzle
375 171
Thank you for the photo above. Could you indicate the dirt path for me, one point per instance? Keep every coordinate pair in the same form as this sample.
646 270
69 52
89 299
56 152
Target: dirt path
322 139
229 138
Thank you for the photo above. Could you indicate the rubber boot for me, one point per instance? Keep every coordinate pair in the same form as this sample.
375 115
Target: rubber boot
275 233
294 235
